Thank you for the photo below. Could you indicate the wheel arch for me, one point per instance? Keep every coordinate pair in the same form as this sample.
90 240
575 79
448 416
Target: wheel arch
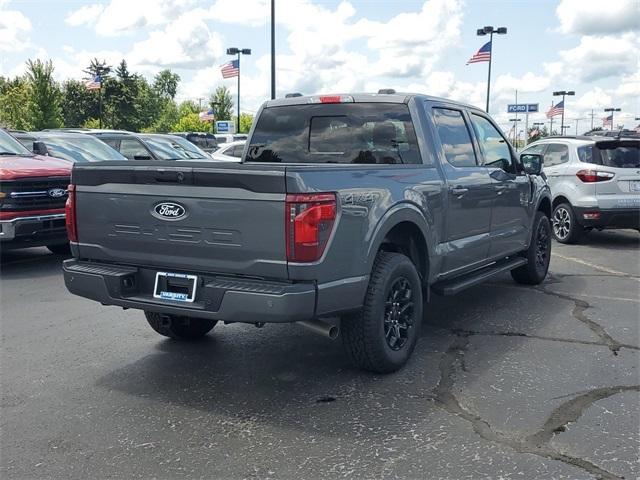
404 230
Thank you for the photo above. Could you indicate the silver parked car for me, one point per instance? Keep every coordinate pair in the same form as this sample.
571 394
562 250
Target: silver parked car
595 183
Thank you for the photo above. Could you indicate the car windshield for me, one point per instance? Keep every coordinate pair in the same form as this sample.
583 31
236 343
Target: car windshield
174 148
614 154
80 149
10 146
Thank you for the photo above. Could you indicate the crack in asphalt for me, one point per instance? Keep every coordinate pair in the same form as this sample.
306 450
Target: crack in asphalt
536 444
536 337
571 410
579 309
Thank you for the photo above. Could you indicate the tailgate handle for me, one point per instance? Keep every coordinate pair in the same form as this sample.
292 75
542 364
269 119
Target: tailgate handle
170 176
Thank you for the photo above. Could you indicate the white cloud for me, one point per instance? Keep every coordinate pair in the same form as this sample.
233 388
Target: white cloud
121 17
245 12
596 58
85 15
594 17
14 29
186 42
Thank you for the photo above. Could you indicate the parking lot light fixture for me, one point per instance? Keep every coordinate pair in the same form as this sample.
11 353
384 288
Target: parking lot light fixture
563 93
238 51
489 30
611 109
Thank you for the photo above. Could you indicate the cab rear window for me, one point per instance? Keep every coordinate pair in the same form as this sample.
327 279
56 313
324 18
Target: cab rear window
360 133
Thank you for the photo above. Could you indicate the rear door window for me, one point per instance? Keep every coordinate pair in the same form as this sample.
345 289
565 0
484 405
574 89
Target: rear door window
360 133
556 154
454 137
132 148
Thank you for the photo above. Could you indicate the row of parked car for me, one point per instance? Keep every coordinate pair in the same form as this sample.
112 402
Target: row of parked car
91 145
35 172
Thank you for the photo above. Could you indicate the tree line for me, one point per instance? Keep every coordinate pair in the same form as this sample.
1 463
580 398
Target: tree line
126 101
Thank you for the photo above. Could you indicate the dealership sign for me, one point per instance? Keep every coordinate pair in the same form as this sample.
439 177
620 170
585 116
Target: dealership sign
522 107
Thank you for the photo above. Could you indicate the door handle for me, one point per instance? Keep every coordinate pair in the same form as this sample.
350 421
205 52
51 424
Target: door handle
459 191
499 189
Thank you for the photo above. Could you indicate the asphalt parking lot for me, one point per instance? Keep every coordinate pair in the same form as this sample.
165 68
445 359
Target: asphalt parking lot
507 382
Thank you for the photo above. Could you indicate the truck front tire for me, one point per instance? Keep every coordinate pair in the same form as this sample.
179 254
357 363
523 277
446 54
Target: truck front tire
538 254
382 336
179 327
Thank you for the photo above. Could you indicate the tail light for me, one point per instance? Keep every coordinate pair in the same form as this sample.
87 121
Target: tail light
591 176
309 223
70 214
331 99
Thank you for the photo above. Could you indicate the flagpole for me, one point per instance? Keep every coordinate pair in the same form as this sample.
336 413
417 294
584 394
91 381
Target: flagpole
489 74
100 105
238 126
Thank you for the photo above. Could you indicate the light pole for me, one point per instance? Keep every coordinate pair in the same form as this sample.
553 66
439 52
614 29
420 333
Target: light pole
612 109
490 31
577 121
214 108
563 128
273 49
563 93
515 130
238 51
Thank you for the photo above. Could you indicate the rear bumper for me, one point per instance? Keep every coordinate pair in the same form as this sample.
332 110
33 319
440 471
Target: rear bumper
611 218
33 231
218 297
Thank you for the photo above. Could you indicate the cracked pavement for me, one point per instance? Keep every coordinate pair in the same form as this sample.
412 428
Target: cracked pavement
506 382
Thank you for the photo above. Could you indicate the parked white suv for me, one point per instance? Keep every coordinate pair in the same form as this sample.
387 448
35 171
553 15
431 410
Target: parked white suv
595 183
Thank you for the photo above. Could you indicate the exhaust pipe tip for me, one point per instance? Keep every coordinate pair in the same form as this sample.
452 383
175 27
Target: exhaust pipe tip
321 328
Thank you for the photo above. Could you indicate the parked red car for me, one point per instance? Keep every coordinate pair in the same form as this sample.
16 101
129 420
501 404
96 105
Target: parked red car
33 192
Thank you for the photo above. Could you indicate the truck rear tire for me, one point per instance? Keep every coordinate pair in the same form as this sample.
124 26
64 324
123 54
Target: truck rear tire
538 254
382 336
179 327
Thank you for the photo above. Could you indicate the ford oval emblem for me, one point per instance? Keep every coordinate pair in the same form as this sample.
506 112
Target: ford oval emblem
56 192
169 211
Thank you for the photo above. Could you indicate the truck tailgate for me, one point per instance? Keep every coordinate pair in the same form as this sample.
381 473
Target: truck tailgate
186 217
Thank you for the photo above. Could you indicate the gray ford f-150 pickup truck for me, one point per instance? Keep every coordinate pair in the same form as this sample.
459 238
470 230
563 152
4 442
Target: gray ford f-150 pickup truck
345 206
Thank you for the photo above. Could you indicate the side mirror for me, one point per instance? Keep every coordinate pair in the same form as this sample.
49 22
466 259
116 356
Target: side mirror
39 148
532 163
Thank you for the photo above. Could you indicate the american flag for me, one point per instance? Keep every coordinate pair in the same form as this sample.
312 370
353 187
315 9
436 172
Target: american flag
555 110
534 132
230 69
207 116
607 121
482 55
93 84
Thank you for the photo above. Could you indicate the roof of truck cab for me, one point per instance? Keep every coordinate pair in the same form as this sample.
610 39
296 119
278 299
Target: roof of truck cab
398 97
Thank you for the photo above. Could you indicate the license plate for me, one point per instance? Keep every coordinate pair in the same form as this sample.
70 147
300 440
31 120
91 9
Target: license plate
177 287
634 185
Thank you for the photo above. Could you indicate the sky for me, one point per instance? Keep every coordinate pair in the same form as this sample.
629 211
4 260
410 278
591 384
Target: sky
329 46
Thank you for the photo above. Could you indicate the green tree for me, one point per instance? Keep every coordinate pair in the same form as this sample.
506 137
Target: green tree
98 68
121 101
222 103
44 106
191 123
187 107
14 105
246 120
77 104
167 119
166 84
